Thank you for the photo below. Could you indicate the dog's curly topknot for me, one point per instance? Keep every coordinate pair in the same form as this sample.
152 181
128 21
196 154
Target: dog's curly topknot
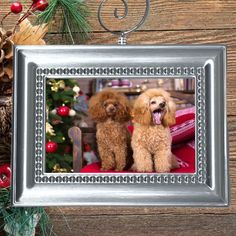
96 106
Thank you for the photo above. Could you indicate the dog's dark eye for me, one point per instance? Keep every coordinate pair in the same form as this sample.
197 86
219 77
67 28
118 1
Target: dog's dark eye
116 104
153 102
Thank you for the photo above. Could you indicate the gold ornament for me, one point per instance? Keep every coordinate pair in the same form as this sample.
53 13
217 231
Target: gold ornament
49 129
58 169
56 85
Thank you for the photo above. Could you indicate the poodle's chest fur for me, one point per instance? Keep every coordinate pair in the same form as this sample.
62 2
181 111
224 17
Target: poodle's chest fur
153 138
112 133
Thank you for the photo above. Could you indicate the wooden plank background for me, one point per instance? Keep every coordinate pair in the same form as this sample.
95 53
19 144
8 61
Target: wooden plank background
170 22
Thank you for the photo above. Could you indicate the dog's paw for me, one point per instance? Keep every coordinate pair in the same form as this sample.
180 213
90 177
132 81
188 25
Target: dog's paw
133 167
104 169
163 168
105 166
143 169
120 168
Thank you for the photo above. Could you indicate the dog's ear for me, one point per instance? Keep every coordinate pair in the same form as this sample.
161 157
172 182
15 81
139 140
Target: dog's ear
124 110
96 109
169 117
141 113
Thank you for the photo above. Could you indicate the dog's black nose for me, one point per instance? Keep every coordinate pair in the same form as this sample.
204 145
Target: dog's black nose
111 108
162 105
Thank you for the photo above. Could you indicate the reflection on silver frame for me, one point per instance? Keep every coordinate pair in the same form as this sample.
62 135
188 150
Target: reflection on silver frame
208 186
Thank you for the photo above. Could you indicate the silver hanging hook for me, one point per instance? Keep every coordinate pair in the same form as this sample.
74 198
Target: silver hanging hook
123 33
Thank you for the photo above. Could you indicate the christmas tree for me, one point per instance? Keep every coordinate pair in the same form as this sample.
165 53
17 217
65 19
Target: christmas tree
60 96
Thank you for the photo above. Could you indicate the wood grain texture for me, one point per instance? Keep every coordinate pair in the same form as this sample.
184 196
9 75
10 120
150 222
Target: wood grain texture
151 225
164 15
170 22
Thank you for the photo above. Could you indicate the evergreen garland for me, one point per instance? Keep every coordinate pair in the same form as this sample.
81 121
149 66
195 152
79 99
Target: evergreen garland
23 220
73 18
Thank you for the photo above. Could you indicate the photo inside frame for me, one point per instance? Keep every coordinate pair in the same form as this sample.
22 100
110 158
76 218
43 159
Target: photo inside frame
71 144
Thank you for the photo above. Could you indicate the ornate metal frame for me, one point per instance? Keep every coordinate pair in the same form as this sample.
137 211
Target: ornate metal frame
209 186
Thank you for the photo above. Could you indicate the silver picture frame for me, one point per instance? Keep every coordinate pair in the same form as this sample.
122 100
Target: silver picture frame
208 186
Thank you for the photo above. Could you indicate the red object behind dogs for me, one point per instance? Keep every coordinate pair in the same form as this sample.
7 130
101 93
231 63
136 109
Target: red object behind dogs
185 155
182 132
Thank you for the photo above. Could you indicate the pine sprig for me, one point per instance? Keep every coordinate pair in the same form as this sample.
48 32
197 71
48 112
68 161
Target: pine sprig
73 18
20 220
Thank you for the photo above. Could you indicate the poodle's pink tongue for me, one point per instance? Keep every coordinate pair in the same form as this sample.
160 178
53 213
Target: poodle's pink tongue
157 118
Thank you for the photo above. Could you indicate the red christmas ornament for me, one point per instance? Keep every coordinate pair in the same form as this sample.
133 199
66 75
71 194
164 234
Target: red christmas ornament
5 176
87 148
51 147
63 111
41 5
16 7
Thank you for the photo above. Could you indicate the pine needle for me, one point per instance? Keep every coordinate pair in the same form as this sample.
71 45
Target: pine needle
19 220
72 18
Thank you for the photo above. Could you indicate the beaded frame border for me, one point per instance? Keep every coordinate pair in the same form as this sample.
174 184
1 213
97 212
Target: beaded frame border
138 72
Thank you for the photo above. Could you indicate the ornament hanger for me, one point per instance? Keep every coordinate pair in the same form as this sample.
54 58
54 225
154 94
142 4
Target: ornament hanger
123 33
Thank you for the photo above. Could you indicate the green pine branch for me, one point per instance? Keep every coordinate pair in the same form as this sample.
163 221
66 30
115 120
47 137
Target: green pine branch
72 15
21 220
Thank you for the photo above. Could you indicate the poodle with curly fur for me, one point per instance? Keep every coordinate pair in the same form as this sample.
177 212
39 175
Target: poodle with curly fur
153 113
111 110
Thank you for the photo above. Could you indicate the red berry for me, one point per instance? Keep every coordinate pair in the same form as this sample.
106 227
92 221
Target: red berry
16 7
63 111
41 5
51 147
5 176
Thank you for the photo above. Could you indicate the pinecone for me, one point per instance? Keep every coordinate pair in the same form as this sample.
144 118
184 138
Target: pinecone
5 128
5 150
5 116
6 62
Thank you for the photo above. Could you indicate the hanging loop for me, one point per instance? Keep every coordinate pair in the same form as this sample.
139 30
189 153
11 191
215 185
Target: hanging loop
123 33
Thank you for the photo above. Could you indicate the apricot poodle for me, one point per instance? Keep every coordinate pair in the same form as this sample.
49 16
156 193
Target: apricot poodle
153 113
111 110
